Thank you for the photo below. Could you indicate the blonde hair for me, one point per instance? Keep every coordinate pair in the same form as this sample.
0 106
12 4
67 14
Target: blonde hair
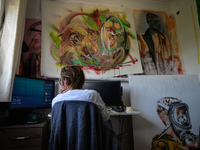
74 75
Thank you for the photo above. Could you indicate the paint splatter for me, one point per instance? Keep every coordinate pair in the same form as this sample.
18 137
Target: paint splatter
96 41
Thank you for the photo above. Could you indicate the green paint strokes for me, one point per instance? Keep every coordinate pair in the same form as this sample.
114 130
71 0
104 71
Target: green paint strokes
131 34
55 39
55 52
124 16
101 48
58 64
91 22
54 29
125 22
125 62
102 18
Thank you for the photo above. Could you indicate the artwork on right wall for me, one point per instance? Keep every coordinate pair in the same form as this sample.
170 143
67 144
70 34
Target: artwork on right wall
157 41
169 106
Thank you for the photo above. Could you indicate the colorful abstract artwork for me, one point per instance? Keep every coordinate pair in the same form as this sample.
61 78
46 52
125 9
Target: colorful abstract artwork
157 41
99 39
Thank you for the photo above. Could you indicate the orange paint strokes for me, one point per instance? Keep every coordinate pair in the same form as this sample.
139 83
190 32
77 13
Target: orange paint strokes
172 33
171 24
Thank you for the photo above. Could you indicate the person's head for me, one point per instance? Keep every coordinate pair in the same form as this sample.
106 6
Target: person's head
163 108
72 77
153 21
34 34
36 42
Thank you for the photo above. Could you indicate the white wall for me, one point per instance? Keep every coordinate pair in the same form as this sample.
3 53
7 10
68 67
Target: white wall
186 27
135 4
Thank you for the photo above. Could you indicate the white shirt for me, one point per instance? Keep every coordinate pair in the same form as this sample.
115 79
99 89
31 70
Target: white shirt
84 95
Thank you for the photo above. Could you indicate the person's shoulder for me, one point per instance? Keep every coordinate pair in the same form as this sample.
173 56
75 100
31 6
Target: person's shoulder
89 91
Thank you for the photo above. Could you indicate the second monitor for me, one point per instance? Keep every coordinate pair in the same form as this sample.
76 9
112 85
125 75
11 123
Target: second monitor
110 91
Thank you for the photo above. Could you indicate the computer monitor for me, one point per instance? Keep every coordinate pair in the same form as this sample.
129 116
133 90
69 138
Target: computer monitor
110 91
31 92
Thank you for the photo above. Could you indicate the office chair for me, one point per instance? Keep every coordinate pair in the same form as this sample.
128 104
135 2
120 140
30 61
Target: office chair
78 125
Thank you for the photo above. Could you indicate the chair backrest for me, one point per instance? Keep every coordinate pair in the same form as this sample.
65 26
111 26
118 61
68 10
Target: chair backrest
78 125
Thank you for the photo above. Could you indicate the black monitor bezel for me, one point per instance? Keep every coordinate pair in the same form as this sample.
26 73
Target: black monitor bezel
119 102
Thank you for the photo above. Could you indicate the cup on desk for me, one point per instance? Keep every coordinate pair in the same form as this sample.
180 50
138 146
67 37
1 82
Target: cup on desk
129 109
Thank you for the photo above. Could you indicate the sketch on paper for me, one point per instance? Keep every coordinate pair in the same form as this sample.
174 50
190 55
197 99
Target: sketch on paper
99 39
31 49
169 107
157 41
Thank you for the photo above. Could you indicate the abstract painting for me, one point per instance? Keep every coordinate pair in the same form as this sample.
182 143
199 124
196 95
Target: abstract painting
169 106
157 41
100 39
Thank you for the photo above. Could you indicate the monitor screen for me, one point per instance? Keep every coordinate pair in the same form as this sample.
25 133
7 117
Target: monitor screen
31 92
110 91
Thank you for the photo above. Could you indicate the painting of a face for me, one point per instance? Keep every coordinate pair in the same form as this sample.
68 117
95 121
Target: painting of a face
155 23
98 40
36 42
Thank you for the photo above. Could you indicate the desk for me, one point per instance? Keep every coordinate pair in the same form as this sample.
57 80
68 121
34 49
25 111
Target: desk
114 113
122 123
30 136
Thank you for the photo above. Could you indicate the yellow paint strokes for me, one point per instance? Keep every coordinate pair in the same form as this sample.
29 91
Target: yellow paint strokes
117 25
195 35
108 24
79 29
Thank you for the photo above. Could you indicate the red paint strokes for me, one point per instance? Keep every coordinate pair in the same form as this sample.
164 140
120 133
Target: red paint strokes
81 8
98 72
56 16
133 59
95 16
55 27
67 19
68 10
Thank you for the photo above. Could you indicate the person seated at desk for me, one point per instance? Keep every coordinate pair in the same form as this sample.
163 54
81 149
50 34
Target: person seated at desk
71 80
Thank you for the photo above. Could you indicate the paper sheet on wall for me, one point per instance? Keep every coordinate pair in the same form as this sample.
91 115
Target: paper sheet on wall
100 39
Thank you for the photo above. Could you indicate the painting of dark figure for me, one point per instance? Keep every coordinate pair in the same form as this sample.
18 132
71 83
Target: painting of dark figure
31 49
158 54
